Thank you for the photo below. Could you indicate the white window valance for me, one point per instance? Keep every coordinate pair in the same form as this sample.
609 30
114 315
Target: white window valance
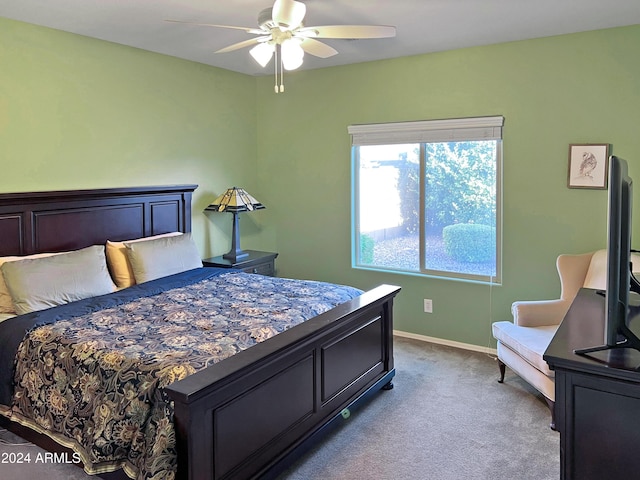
425 131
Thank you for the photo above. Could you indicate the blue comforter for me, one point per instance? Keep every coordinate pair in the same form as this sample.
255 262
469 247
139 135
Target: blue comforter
12 331
91 373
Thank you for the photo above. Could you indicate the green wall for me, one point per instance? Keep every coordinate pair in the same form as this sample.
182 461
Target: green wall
582 88
81 113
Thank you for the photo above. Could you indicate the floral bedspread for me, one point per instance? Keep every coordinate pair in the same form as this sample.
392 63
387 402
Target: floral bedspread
95 380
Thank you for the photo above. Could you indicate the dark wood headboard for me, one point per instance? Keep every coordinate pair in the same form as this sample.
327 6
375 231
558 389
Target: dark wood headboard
56 221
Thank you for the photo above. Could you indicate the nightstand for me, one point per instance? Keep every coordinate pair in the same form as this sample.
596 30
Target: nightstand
257 262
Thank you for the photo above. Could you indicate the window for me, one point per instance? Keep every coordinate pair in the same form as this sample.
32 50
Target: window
427 197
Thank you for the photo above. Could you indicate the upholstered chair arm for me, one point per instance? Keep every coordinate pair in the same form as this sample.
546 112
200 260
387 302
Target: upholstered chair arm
572 270
539 313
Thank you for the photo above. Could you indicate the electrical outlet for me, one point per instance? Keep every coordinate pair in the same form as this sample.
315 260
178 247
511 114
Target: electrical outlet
428 305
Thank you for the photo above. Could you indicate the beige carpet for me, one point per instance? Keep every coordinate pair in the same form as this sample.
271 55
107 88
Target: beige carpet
446 419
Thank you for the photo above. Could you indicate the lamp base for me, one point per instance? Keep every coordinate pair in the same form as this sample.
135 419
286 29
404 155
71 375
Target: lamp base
235 255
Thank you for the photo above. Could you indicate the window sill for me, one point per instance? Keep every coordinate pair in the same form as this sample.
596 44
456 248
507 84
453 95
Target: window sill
445 276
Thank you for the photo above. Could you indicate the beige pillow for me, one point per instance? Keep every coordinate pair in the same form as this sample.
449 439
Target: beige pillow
162 257
39 283
118 262
6 304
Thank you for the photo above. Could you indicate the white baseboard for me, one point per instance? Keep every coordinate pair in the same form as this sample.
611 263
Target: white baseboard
449 343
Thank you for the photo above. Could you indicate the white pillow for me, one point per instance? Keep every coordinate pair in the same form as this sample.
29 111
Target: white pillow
39 283
162 257
118 262
6 304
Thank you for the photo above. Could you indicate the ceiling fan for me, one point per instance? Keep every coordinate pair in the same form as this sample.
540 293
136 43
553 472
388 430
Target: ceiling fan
281 34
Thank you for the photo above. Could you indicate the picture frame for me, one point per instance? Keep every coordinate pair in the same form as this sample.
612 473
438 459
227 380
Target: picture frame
588 164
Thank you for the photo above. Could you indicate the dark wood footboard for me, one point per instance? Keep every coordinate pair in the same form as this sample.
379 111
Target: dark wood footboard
246 416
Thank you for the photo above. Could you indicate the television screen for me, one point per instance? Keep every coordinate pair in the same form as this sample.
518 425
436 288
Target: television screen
620 280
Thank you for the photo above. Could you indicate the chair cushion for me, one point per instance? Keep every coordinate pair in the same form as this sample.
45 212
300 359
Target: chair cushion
529 342
543 383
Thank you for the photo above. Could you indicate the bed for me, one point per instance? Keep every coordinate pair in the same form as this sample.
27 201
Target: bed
253 413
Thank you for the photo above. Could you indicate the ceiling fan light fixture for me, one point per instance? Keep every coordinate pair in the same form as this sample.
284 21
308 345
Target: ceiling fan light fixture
292 54
262 53
288 13
284 37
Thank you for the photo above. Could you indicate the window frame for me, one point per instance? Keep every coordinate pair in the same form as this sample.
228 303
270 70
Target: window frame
423 132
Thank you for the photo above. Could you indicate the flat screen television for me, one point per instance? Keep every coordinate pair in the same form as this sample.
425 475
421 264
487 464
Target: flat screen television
620 278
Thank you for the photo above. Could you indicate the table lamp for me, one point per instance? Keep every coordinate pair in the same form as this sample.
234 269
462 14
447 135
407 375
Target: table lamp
234 201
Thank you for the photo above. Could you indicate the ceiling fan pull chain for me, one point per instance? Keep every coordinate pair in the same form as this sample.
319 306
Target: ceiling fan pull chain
278 87
281 74
275 62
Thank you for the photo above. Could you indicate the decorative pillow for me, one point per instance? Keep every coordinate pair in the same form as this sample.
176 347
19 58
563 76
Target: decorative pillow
118 262
6 304
161 257
39 283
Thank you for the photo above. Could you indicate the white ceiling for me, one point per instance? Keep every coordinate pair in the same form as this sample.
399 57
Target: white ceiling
423 26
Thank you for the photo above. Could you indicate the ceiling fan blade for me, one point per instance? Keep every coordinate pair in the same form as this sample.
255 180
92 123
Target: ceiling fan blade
255 31
239 45
316 48
351 31
288 13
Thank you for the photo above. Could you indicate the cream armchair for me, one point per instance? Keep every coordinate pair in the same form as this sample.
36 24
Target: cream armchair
522 343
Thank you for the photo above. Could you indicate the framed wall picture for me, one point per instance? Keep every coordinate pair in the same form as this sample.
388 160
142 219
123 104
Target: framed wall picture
588 165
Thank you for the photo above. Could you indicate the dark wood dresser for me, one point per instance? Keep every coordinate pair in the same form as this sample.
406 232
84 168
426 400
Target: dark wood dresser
597 396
